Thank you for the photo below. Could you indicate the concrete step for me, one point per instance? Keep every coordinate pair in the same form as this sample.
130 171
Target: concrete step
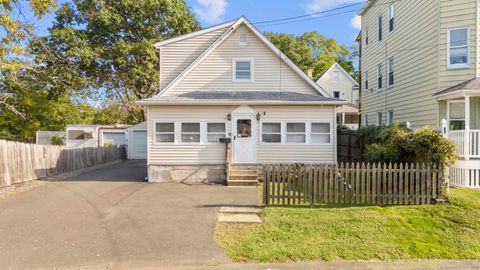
241 210
239 218
244 167
243 177
239 183
243 172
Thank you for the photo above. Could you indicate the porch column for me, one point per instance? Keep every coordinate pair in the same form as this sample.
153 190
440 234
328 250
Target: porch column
343 118
466 148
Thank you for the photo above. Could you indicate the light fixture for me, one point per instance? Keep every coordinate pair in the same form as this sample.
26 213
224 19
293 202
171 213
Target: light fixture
229 116
258 116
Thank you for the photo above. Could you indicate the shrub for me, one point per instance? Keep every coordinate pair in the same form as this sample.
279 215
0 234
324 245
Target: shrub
57 140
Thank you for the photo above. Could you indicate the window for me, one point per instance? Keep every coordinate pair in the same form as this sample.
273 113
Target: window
366 36
390 117
366 120
244 128
458 50
191 132
380 28
295 132
76 134
336 76
456 115
320 133
243 70
165 132
336 94
379 119
390 72
271 132
243 38
215 131
391 20
379 77
366 80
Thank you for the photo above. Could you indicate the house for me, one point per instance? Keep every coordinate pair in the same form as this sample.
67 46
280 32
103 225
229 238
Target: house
95 135
339 84
136 141
420 64
229 83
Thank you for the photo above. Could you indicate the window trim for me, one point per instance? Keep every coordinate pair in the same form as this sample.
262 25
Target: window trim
318 133
155 133
379 28
281 132
379 78
391 18
458 66
208 133
234 69
390 61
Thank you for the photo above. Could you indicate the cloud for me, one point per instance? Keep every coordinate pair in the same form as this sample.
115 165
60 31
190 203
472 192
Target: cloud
356 22
211 11
321 5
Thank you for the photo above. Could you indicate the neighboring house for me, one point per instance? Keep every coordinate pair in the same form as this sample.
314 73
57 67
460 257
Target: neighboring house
339 84
95 135
420 64
229 81
45 137
136 141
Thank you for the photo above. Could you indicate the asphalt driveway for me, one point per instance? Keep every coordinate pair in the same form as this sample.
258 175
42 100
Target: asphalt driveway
111 217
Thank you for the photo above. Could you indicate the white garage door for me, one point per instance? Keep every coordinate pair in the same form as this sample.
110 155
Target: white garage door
111 138
139 144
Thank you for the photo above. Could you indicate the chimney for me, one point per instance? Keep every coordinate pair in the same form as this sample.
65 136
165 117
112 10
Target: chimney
310 73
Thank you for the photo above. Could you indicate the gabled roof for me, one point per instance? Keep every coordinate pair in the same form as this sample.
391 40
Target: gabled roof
342 69
365 7
472 85
241 21
241 97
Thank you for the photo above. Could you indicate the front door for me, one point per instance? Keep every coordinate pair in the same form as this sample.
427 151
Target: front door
244 138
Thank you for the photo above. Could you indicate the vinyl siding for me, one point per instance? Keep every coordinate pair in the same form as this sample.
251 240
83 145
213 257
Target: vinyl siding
419 48
412 45
215 72
345 85
177 56
191 154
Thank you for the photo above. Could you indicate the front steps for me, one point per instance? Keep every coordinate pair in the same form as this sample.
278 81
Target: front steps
241 214
243 175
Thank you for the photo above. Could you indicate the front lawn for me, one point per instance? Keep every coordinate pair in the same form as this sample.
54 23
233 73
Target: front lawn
450 231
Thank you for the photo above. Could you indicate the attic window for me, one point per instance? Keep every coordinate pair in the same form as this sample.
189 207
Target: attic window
243 37
242 70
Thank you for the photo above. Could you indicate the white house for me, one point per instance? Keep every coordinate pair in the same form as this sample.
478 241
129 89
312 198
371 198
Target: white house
229 81
95 135
339 84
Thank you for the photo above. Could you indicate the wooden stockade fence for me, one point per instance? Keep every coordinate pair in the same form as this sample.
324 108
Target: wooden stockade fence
364 184
21 162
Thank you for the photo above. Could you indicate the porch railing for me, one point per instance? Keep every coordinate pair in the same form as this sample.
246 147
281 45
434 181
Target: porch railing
458 136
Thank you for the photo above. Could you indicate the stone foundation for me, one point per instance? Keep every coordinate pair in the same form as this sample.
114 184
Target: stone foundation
186 174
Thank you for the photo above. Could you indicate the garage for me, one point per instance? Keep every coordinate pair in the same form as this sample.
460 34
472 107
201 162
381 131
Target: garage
137 141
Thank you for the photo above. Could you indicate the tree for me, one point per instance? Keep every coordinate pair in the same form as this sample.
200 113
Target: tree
106 47
313 50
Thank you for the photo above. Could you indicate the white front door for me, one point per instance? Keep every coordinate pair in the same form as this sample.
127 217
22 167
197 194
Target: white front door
244 138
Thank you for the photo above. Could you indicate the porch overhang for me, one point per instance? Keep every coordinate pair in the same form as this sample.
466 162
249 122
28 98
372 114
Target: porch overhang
468 88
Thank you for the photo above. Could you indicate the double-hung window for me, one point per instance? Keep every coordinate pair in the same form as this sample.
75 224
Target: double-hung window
165 132
390 72
242 70
391 18
379 28
379 118
379 77
458 49
336 76
320 133
215 131
456 115
390 117
190 132
296 133
366 80
271 132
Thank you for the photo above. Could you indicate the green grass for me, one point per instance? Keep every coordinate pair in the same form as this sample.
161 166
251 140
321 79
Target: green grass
450 231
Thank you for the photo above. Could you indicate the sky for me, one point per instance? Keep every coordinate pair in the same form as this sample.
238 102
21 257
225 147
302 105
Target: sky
342 25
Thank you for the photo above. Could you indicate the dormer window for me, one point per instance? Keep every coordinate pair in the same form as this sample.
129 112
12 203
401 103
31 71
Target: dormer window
243 38
242 70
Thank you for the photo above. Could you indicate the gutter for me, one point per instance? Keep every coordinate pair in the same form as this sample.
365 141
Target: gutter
146 102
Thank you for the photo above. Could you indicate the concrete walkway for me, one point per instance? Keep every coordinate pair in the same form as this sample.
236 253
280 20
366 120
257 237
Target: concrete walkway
111 217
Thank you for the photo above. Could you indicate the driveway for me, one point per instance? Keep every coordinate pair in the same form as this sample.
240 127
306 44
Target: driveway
111 217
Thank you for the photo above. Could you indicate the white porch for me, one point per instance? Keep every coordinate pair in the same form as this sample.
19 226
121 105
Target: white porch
460 114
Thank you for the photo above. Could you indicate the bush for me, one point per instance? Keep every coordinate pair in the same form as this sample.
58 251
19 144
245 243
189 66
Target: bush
57 140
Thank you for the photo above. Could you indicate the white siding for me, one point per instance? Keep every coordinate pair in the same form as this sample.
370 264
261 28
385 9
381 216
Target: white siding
196 154
215 72
177 56
345 85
